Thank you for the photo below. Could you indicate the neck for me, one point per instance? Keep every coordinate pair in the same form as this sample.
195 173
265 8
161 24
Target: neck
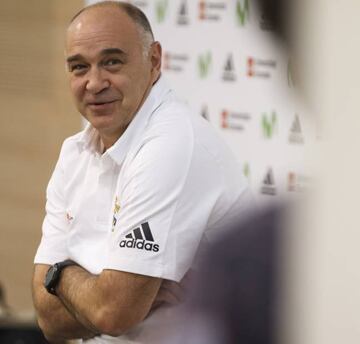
108 139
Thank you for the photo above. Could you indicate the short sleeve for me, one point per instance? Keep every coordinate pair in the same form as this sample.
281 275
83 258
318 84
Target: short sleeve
147 236
53 247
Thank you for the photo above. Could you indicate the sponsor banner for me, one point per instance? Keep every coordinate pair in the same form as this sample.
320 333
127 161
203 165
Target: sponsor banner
260 68
175 62
211 10
234 120
220 57
297 182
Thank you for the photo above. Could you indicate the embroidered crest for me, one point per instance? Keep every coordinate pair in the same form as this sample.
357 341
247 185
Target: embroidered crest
116 211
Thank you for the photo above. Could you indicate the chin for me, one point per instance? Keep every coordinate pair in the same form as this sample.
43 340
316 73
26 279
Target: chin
108 128
99 121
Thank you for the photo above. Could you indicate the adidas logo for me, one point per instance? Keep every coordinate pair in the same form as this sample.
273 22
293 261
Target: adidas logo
183 14
229 69
204 112
140 238
296 135
268 187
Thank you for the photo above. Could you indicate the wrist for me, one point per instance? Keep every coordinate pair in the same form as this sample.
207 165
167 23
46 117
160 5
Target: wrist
53 275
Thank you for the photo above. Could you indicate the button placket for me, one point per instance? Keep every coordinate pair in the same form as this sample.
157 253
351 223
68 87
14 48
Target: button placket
105 190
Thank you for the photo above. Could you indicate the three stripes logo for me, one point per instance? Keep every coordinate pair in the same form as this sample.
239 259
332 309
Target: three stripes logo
296 135
268 185
229 69
205 112
183 17
140 238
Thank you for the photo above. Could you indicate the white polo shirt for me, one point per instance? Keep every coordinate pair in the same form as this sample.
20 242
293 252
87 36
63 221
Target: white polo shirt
144 205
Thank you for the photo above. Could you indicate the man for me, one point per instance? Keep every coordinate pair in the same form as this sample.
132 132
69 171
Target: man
133 195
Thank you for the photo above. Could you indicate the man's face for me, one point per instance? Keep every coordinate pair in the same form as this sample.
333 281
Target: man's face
109 75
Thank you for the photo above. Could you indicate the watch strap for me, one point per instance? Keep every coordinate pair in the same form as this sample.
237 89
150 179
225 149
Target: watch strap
55 271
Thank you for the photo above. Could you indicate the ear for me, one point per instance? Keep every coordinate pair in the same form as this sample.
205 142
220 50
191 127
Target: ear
155 58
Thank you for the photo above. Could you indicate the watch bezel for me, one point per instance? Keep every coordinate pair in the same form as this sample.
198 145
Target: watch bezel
53 275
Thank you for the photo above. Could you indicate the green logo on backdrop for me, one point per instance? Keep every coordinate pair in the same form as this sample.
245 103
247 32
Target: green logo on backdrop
204 62
269 124
242 11
290 74
161 8
246 170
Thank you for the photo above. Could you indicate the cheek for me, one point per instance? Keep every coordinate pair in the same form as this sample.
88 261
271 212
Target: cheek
76 88
121 83
134 87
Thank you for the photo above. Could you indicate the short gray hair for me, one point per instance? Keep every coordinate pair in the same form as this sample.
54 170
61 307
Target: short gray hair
138 17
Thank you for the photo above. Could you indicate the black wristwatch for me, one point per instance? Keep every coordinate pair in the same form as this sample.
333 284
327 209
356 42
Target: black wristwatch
52 277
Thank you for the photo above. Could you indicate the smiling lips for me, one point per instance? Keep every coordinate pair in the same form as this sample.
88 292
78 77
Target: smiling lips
101 106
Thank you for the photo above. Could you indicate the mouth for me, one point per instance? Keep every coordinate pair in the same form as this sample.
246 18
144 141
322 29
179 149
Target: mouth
101 105
101 102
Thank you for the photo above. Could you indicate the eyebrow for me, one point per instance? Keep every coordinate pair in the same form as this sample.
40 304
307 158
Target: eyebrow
110 51
104 52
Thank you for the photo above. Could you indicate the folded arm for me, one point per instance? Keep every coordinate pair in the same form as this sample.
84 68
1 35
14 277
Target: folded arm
56 322
109 303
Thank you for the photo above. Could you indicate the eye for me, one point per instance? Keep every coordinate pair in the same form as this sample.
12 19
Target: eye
77 68
112 62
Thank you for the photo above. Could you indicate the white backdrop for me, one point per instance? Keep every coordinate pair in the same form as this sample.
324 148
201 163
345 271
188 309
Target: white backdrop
221 58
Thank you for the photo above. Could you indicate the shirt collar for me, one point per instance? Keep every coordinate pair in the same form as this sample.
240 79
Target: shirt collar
90 139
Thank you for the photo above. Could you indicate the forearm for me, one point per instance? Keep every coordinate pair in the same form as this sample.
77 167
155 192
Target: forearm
109 303
79 291
54 319
76 294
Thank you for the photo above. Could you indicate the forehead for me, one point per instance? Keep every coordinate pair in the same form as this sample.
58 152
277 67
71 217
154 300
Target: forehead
101 28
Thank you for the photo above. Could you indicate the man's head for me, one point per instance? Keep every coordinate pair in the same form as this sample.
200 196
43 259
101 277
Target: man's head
113 62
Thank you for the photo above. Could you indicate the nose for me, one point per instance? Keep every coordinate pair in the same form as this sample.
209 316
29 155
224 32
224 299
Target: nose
96 82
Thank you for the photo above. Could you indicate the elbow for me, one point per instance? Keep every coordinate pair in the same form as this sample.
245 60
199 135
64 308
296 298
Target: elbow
50 335
115 322
44 326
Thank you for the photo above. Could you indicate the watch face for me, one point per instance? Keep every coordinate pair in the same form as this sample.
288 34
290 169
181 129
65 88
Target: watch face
51 276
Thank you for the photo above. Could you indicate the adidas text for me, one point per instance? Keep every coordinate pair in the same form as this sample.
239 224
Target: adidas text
139 244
